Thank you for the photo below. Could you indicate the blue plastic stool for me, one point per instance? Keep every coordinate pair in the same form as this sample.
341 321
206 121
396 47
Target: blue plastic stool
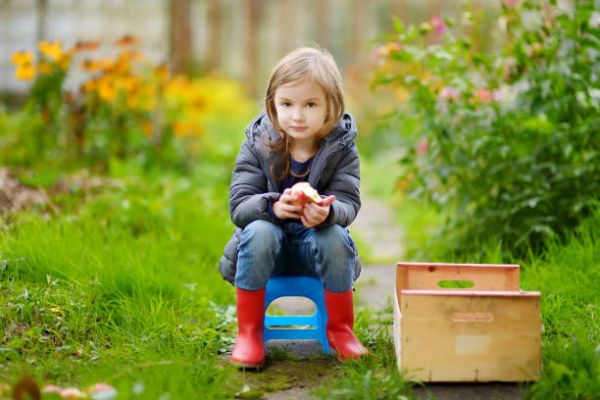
301 286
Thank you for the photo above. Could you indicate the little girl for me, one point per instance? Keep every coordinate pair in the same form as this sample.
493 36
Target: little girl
303 136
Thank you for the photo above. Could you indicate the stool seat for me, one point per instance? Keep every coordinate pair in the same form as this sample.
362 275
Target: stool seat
308 327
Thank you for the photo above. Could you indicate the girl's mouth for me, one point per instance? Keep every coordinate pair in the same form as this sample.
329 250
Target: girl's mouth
298 128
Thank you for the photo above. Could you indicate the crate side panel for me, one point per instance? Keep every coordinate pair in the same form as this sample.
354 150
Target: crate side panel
471 338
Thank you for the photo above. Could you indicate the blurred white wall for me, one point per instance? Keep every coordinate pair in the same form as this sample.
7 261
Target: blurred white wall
345 27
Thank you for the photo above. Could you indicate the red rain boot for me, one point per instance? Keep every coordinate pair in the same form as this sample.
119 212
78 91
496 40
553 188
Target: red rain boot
249 351
340 320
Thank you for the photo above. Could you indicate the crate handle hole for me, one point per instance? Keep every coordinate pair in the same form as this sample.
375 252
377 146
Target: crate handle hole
456 284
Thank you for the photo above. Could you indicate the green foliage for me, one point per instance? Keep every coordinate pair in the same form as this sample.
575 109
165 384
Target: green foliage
507 144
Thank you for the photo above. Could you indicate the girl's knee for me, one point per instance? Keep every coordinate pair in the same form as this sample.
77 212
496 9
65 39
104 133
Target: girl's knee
261 232
336 241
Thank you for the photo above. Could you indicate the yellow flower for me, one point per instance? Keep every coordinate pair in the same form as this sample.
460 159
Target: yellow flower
129 83
106 90
51 50
22 57
45 68
132 102
25 72
162 72
64 61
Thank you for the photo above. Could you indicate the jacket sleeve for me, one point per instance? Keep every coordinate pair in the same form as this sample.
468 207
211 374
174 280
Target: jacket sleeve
345 186
248 193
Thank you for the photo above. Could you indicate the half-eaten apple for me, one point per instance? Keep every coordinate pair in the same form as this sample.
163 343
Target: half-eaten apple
305 194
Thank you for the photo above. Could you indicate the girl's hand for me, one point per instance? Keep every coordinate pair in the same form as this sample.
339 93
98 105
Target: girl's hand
283 208
315 213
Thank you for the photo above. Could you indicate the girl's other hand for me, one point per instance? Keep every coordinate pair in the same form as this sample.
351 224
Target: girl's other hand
316 213
284 207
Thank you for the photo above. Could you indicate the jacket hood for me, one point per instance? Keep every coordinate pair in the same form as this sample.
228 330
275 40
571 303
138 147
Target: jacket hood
261 127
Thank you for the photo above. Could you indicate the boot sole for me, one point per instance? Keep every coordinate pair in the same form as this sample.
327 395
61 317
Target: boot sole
243 366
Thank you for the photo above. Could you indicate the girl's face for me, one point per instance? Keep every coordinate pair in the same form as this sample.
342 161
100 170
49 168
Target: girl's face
301 110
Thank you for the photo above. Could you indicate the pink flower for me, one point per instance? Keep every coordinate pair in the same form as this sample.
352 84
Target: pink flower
72 393
484 95
422 147
449 93
511 3
497 95
102 391
51 389
438 25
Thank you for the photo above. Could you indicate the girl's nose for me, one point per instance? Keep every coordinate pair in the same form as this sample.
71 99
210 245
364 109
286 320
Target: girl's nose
297 115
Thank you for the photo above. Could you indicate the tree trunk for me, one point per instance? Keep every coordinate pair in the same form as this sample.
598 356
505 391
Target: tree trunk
252 16
213 58
287 27
181 36
360 19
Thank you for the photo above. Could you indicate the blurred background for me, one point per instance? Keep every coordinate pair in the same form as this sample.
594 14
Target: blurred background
240 38
120 122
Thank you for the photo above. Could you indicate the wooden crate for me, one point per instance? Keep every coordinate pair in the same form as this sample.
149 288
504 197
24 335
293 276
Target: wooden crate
490 331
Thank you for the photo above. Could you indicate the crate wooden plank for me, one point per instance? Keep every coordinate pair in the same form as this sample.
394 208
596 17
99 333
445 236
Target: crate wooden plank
468 338
428 276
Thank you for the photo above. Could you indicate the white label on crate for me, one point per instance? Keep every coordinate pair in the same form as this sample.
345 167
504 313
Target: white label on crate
472 344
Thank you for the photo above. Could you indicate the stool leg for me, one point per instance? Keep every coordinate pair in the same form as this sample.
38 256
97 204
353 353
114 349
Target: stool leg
249 348
340 323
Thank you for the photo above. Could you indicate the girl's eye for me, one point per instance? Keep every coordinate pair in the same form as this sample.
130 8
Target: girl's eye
285 104
311 104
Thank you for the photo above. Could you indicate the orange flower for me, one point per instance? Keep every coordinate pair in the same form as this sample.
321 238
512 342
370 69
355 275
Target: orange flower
25 72
51 50
89 86
162 71
147 127
131 55
120 67
22 57
97 65
183 129
82 45
128 40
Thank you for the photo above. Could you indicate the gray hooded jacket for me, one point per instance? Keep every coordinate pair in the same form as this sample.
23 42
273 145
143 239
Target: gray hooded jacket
335 171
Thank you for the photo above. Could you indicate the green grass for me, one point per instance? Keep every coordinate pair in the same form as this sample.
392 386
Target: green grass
121 285
125 290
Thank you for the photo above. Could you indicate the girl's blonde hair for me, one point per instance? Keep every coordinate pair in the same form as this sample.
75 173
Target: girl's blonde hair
301 65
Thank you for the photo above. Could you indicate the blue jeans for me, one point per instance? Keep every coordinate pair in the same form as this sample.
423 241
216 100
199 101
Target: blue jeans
267 249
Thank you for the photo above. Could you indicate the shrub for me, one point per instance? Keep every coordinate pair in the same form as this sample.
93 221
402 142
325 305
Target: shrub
505 143
121 109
